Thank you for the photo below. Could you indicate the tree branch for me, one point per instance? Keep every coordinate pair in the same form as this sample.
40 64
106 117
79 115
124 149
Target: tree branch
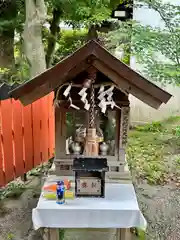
171 30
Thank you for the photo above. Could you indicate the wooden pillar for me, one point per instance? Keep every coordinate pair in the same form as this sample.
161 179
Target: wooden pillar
60 132
118 122
124 234
124 127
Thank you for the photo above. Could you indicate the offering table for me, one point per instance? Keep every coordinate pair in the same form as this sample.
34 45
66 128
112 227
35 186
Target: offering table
118 210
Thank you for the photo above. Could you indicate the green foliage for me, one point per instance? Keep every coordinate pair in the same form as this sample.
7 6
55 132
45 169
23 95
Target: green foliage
109 130
76 13
67 42
10 236
145 155
19 73
153 127
12 190
84 11
70 124
149 147
141 234
11 15
157 50
177 131
171 120
61 234
178 162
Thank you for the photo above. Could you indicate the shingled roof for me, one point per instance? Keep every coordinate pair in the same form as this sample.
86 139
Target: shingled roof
90 54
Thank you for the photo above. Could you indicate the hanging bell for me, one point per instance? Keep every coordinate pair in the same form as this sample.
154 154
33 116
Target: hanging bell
87 83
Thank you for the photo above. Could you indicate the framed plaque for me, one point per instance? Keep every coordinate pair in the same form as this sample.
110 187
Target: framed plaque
89 186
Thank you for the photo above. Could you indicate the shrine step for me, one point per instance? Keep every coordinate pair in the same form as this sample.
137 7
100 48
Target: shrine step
118 170
69 162
118 181
118 175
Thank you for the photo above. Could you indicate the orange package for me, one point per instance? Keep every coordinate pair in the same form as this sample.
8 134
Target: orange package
52 187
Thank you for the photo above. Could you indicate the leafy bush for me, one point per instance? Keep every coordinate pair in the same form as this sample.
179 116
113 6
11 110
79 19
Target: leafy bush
176 131
153 127
68 42
12 190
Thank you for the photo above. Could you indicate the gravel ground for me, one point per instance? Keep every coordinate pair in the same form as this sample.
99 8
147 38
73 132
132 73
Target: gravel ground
160 206
16 224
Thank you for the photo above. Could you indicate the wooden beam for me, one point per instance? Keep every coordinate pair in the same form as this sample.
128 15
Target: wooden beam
105 84
126 78
126 86
61 70
47 87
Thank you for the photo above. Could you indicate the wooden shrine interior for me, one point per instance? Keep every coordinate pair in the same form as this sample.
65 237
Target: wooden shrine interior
119 97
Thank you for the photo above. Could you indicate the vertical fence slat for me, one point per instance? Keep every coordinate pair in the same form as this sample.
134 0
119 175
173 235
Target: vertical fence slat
18 138
6 111
44 128
2 181
51 125
36 116
28 137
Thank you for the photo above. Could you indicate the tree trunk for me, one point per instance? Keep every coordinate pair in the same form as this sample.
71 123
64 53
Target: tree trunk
33 46
7 50
54 30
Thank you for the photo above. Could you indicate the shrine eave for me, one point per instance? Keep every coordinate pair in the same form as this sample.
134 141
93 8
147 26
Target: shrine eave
90 54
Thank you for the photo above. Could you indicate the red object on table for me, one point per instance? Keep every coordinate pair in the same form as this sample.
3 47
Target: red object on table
53 187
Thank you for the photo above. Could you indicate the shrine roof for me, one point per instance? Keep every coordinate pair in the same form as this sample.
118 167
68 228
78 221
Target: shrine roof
125 78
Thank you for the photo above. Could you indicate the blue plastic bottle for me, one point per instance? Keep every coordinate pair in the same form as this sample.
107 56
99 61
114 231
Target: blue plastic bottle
60 191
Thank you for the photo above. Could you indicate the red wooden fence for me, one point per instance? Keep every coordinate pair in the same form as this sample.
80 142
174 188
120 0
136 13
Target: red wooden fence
26 136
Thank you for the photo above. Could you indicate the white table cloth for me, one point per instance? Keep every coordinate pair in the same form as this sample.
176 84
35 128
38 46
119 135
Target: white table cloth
119 209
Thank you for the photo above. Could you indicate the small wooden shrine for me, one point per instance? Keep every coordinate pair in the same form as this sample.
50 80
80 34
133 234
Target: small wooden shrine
91 89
